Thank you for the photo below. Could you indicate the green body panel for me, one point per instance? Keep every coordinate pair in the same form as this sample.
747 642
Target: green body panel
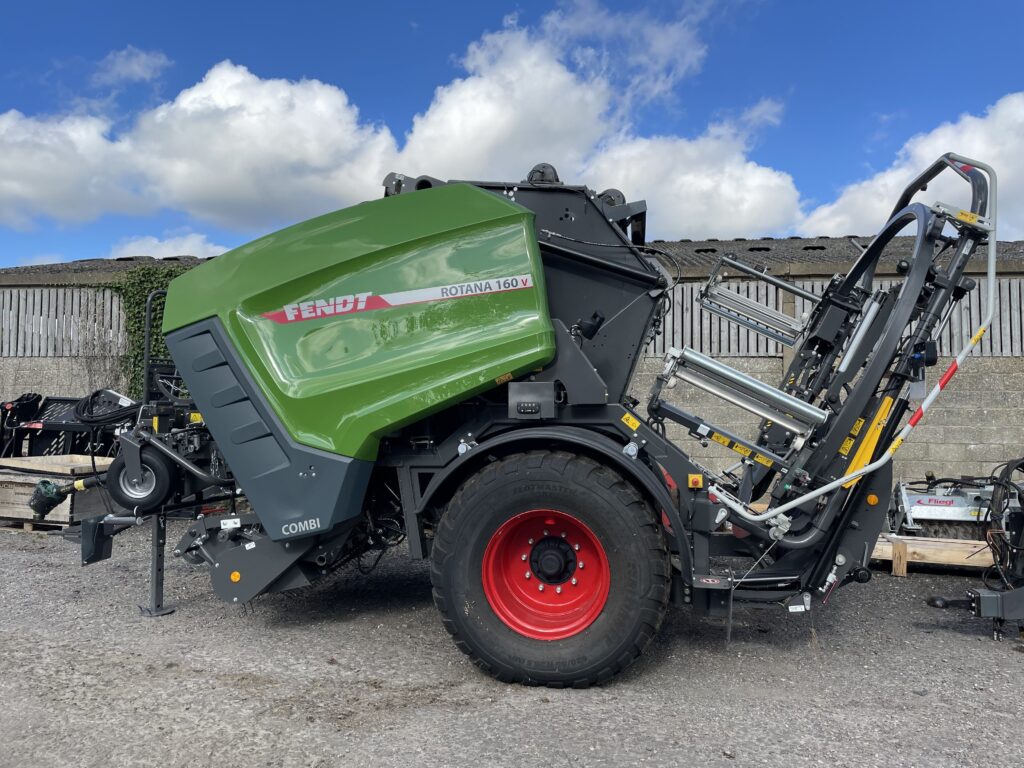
369 318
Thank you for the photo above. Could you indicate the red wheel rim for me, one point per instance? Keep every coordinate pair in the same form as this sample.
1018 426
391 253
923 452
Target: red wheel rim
545 575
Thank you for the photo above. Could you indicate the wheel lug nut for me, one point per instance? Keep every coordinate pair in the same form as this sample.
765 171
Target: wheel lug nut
545 533
558 590
522 557
576 547
530 541
580 564
563 534
574 581
540 587
527 574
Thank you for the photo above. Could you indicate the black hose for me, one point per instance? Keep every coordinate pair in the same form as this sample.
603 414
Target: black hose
85 410
1004 551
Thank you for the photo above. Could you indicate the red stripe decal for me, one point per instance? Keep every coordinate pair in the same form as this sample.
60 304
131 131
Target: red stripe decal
947 375
916 417
317 309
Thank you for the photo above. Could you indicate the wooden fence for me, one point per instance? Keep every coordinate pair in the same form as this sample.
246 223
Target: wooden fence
688 325
61 322
83 322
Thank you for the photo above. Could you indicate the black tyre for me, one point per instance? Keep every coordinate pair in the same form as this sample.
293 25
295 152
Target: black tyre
158 481
549 568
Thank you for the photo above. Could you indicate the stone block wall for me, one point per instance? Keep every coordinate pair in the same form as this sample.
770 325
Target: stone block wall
61 376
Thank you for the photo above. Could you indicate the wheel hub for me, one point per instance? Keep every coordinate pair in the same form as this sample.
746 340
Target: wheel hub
138 489
553 560
534 577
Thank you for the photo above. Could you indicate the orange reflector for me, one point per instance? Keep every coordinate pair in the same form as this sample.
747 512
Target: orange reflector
695 481
872 499
236 576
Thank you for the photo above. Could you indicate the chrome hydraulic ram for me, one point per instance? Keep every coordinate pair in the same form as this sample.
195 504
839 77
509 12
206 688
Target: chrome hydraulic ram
758 390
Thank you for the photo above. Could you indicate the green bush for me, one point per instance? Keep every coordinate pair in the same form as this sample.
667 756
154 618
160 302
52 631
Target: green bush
134 287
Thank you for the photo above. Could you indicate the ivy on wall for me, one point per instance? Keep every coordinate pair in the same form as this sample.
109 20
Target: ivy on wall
134 287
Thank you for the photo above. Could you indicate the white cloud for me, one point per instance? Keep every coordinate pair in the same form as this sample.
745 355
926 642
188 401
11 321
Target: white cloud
519 105
246 152
702 187
193 244
522 103
997 138
647 55
250 153
130 65
65 168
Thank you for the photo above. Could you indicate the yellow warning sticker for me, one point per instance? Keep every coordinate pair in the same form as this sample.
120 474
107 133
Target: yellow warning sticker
967 217
856 427
742 450
763 460
844 449
720 439
504 378
630 420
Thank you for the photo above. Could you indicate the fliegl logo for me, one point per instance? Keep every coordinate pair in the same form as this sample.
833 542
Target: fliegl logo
317 309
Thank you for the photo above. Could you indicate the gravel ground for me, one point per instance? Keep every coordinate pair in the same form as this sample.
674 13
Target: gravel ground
360 672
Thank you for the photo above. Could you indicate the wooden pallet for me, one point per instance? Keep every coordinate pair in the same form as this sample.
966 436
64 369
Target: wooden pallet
18 478
31 526
903 550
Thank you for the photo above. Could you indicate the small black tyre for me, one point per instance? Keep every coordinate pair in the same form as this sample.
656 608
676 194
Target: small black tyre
158 480
548 568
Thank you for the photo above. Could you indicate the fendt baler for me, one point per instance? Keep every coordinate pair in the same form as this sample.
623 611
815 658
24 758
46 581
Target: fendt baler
450 365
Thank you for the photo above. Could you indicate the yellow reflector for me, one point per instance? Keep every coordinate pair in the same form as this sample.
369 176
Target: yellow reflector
695 481
236 576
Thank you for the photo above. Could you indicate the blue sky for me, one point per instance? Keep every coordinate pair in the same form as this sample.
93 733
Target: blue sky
129 128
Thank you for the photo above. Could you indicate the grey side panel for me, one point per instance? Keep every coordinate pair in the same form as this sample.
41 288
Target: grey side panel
571 366
295 490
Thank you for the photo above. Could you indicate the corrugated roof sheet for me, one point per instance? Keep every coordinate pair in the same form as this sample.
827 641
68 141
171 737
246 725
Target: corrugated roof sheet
772 252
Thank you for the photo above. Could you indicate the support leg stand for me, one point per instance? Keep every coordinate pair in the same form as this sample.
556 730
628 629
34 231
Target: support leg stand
156 605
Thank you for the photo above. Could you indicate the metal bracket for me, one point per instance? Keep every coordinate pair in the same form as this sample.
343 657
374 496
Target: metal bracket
131 449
